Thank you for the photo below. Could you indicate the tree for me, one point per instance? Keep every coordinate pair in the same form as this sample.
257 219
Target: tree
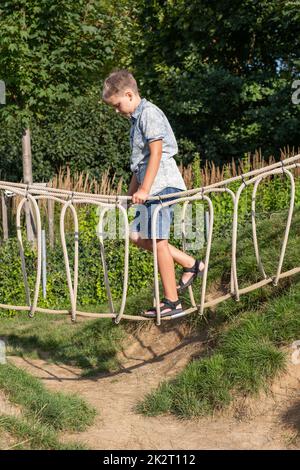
51 51
223 71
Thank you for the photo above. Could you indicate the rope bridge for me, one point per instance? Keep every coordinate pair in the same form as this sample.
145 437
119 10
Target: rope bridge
30 194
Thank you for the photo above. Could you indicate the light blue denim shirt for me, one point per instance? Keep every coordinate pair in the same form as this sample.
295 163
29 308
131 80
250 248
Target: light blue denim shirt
149 123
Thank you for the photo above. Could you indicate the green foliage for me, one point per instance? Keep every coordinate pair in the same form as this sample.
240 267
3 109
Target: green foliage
196 168
223 72
50 57
84 134
50 54
273 195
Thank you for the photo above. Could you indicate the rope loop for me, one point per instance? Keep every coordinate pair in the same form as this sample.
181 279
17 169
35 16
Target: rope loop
243 180
282 167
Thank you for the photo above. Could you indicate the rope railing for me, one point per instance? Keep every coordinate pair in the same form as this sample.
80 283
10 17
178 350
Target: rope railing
70 199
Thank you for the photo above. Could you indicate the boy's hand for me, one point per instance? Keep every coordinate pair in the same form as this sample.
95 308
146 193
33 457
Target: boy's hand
140 196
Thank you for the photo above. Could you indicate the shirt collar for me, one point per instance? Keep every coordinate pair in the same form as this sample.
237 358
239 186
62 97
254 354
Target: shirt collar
138 110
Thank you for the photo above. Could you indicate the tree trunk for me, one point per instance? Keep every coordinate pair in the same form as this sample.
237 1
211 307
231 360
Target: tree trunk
27 178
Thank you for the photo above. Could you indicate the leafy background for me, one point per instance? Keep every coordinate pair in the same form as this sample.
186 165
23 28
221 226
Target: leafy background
222 72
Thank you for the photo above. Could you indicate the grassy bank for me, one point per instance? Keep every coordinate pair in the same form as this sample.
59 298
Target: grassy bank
59 410
244 352
33 435
44 414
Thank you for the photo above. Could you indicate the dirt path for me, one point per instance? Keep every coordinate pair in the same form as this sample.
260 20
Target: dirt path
151 357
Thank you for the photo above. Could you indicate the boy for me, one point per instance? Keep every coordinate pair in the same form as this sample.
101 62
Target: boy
153 146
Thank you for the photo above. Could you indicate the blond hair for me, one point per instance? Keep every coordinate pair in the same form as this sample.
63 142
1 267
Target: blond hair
117 82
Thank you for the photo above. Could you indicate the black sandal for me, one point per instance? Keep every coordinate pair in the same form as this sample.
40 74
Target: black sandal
167 304
195 270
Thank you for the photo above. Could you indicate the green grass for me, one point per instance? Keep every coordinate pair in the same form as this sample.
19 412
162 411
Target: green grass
44 413
245 337
33 435
246 357
90 345
59 410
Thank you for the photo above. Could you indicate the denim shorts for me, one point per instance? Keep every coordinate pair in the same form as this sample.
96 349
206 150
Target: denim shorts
142 222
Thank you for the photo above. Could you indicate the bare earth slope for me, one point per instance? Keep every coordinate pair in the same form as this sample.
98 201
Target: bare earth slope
156 354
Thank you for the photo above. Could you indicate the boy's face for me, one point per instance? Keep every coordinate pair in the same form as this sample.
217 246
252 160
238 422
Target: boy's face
124 103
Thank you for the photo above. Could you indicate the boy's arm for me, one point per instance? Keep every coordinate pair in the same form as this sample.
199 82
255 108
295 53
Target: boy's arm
133 186
152 168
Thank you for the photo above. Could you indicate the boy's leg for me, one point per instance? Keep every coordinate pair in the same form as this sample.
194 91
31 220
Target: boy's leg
165 265
166 270
185 260
178 256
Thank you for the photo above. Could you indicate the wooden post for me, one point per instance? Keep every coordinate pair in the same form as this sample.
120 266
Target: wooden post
4 216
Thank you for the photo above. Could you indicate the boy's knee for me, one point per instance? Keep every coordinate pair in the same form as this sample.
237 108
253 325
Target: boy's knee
144 243
162 244
134 237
